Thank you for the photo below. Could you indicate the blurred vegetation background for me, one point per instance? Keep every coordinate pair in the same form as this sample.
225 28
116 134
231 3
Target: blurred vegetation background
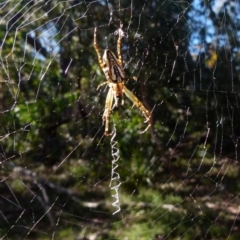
179 180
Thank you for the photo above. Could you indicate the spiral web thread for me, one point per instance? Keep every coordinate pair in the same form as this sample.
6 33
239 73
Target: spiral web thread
115 177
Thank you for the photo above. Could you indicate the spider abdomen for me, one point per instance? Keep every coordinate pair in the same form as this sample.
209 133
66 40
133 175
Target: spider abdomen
113 70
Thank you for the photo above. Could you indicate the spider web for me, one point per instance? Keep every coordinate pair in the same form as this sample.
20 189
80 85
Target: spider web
61 178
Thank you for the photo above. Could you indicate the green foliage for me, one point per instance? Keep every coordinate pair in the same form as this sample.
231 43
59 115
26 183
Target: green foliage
55 161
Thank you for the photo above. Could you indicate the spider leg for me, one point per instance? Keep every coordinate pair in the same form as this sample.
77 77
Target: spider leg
102 84
139 105
119 43
97 49
107 110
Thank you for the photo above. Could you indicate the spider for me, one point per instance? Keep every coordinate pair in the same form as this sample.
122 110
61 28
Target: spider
115 79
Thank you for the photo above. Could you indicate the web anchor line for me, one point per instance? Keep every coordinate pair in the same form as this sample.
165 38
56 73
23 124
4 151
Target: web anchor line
114 174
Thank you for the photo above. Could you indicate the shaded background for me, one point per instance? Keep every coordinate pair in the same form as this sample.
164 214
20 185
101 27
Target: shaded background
179 180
